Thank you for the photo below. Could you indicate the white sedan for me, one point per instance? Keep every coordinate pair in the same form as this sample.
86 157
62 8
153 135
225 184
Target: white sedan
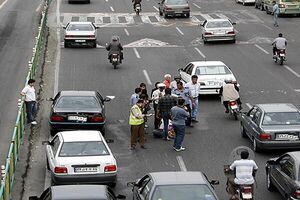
211 75
81 157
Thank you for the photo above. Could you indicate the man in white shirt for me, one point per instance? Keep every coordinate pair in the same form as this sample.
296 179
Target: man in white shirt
244 172
156 95
30 101
173 84
194 88
279 43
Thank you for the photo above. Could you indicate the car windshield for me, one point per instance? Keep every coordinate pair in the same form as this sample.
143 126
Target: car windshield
183 192
80 27
292 1
282 118
212 70
218 24
83 102
176 2
73 149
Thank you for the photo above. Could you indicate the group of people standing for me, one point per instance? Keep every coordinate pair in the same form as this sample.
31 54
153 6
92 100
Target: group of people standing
171 100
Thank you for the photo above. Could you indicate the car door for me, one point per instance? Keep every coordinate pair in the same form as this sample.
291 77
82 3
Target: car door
144 188
52 151
285 175
246 120
255 124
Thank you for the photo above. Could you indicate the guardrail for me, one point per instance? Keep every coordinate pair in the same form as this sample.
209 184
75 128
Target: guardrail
8 170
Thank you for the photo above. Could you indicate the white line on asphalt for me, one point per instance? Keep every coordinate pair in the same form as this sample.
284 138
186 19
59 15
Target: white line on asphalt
136 53
3 4
112 9
179 31
261 49
57 60
248 105
200 52
39 7
268 27
291 70
155 8
147 77
181 163
106 0
126 31
196 6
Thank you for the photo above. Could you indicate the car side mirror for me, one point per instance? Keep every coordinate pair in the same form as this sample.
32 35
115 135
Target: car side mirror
119 196
180 69
158 3
97 27
108 98
109 140
64 27
233 23
33 198
214 182
46 142
131 184
49 99
273 162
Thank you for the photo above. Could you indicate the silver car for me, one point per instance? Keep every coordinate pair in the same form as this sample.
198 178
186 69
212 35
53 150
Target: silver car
80 33
272 126
174 8
217 30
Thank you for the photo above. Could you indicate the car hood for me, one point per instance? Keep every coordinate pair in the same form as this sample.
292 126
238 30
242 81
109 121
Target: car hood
281 128
78 110
85 160
80 32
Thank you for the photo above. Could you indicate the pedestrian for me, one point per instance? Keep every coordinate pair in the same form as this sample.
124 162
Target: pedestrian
275 13
30 101
144 90
165 104
173 84
146 107
135 97
156 95
194 87
155 88
167 80
185 94
136 121
178 115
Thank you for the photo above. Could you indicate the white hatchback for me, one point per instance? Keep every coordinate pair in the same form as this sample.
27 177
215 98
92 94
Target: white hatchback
81 157
211 75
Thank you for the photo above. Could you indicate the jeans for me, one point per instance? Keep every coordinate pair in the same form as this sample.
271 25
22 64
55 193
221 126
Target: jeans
275 17
195 108
166 126
180 132
188 121
30 110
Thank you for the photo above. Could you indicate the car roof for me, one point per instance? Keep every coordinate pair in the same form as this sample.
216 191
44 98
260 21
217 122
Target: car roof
217 20
278 107
80 22
74 192
166 178
207 63
81 136
77 93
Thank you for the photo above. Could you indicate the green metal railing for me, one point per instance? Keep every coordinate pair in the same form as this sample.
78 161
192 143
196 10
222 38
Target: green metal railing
8 172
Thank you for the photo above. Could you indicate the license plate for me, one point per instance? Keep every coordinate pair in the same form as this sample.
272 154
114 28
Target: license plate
79 40
234 107
77 118
281 54
85 169
286 137
114 59
247 195
211 83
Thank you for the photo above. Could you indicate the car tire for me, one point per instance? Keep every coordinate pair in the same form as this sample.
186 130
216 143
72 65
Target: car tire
165 15
261 7
233 41
243 132
187 15
103 131
66 45
94 44
270 185
160 13
112 185
47 164
255 147
88 1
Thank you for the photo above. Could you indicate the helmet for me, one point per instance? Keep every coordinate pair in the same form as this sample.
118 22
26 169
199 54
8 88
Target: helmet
115 38
228 80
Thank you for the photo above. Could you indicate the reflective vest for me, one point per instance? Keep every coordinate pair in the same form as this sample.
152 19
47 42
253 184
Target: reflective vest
134 120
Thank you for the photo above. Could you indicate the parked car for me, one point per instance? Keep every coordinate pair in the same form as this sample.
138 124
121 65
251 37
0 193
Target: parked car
211 75
244 2
73 110
174 185
218 30
259 4
78 192
286 7
174 8
81 157
272 126
283 175
80 33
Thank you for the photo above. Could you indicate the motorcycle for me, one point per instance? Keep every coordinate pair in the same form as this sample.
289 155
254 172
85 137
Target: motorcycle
115 60
280 56
138 9
243 192
233 108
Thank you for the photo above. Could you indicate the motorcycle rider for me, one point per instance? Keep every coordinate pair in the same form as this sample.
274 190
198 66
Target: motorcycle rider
279 43
230 92
245 170
115 47
135 2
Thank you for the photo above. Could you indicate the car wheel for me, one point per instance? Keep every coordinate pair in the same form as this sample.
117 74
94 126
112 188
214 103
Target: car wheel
270 185
112 185
243 132
88 1
233 41
187 15
165 15
66 45
48 166
262 7
103 131
94 44
160 13
255 147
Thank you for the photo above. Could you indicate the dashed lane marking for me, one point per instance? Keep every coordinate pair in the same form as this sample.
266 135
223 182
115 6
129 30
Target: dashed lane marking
136 53
147 77
262 49
155 8
126 31
201 54
112 9
248 105
196 5
178 29
291 70
181 163
4 2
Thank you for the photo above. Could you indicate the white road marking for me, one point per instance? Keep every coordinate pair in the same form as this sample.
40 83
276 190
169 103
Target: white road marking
126 31
136 53
147 77
4 2
196 5
38 8
179 31
106 0
262 49
291 70
200 52
297 90
155 8
268 27
181 163
248 105
112 9
57 60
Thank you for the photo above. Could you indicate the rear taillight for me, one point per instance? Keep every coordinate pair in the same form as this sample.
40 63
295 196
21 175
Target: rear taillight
231 32
232 103
110 168
97 118
265 136
297 194
56 118
90 36
281 5
208 33
246 189
187 7
60 170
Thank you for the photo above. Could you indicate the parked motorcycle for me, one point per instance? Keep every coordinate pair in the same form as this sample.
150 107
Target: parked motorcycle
115 60
233 109
138 9
280 56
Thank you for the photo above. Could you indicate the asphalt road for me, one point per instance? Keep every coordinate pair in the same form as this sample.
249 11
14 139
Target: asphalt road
153 47
18 23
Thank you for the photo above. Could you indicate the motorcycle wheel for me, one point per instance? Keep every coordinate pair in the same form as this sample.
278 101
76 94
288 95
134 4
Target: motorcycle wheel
281 61
235 115
137 12
115 65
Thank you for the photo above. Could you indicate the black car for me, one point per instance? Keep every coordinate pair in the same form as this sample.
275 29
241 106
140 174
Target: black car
77 110
283 174
78 192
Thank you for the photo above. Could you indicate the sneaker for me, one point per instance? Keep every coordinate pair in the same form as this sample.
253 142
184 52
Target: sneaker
226 111
195 121
146 126
167 138
180 149
34 123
